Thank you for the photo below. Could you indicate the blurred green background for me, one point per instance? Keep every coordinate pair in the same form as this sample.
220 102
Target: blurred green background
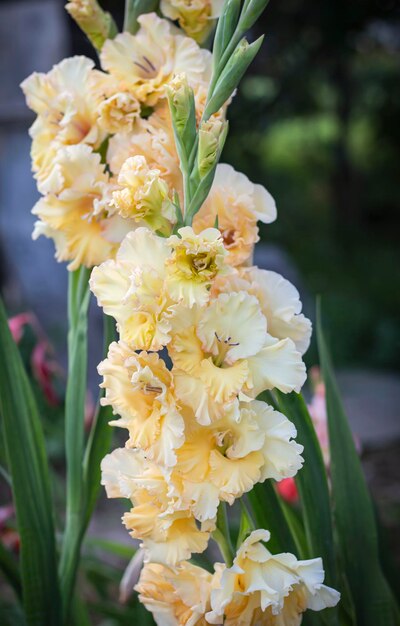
318 122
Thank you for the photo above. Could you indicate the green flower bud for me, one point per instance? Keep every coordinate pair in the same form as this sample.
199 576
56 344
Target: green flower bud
181 101
210 133
97 24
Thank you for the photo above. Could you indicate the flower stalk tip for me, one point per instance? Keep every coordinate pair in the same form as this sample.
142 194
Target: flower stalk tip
97 24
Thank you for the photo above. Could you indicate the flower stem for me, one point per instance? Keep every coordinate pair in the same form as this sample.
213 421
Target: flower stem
222 536
78 303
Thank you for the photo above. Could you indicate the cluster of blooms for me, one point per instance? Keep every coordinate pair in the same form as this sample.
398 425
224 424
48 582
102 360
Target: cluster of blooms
201 332
259 589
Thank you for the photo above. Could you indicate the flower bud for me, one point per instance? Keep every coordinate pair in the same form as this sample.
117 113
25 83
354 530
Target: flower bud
211 136
196 17
180 97
96 23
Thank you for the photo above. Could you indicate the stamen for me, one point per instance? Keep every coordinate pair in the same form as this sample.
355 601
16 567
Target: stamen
152 389
149 63
142 67
226 341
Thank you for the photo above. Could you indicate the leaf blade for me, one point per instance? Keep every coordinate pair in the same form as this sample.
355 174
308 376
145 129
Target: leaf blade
29 470
353 510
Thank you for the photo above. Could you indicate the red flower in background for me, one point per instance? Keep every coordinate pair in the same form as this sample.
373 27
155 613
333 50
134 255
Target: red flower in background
8 536
44 366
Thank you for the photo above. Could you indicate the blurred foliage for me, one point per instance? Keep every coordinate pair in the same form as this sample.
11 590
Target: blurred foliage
316 123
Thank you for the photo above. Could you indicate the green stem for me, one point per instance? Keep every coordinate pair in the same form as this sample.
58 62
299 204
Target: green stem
99 440
222 535
134 8
78 303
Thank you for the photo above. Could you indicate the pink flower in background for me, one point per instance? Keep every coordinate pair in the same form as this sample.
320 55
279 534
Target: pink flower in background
8 536
317 408
288 491
17 324
44 366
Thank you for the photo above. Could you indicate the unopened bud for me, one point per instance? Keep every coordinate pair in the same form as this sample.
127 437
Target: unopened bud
211 136
181 101
97 24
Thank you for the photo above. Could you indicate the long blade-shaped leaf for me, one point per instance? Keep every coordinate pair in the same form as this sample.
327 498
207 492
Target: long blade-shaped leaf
268 513
27 463
9 567
353 511
312 484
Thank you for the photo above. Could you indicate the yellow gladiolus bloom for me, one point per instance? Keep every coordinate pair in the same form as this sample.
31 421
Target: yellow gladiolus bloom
279 301
71 210
237 204
119 110
131 289
196 17
66 102
169 533
179 596
153 138
226 349
224 460
144 196
139 388
150 276
263 588
195 262
147 61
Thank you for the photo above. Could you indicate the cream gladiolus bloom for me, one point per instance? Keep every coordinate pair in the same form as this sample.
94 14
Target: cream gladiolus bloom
69 212
175 597
168 533
279 301
144 196
131 289
150 275
238 204
226 459
195 262
147 61
65 101
152 138
139 388
119 113
226 349
196 17
263 588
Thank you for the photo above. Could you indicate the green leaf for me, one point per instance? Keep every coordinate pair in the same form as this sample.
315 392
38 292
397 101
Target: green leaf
312 484
225 28
27 463
11 615
113 547
100 436
10 569
231 75
134 8
268 513
353 510
78 302
251 12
